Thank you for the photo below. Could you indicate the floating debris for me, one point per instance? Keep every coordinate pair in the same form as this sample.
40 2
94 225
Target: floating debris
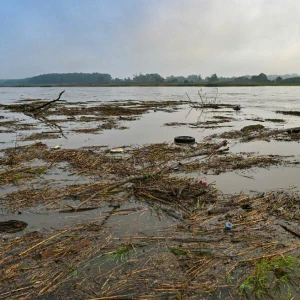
117 150
147 225
12 226
56 147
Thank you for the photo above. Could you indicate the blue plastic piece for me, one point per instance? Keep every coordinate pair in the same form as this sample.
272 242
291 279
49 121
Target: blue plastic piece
228 226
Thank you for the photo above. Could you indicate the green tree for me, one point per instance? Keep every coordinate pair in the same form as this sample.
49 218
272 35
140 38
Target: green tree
153 78
213 78
194 78
260 78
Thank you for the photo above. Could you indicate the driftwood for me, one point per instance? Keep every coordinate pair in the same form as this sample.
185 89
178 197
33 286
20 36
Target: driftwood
47 104
12 226
51 124
288 130
273 133
75 209
34 113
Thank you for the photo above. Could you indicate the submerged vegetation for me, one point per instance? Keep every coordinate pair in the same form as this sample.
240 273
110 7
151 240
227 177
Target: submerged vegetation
290 113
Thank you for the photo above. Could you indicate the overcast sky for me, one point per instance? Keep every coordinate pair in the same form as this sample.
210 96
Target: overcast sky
169 37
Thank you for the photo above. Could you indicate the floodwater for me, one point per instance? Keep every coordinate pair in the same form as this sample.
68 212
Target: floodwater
258 104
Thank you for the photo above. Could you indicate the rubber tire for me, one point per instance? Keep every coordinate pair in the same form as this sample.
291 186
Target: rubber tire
184 139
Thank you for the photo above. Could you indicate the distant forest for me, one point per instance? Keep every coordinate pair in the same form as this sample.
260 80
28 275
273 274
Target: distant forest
149 79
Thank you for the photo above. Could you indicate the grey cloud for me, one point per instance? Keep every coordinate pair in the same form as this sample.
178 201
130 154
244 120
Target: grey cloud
227 37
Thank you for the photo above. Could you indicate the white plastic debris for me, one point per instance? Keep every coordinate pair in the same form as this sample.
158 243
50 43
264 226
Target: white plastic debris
117 150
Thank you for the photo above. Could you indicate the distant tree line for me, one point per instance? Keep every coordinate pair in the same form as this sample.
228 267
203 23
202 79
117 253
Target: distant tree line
63 78
71 78
146 79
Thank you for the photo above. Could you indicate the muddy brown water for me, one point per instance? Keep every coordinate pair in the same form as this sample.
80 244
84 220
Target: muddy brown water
258 103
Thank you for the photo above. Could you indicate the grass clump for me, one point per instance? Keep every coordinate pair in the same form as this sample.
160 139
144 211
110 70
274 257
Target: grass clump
251 128
122 253
178 251
272 278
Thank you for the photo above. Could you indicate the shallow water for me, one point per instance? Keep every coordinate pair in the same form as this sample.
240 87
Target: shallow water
257 103
257 180
278 97
140 218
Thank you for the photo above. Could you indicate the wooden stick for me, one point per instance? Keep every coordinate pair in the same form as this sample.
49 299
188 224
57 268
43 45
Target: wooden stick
291 231
48 103
43 242
271 255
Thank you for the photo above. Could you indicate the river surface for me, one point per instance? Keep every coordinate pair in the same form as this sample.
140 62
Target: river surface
266 97
258 104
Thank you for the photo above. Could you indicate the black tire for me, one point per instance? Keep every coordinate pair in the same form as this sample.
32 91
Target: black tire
293 130
184 139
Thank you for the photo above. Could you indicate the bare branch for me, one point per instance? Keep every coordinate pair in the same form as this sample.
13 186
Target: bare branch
48 103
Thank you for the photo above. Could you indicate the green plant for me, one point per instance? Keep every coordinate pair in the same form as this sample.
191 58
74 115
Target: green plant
272 277
121 253
17 178
228 277
178 251
178 297
75 273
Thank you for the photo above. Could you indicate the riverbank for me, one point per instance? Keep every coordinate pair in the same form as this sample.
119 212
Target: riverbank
215 84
